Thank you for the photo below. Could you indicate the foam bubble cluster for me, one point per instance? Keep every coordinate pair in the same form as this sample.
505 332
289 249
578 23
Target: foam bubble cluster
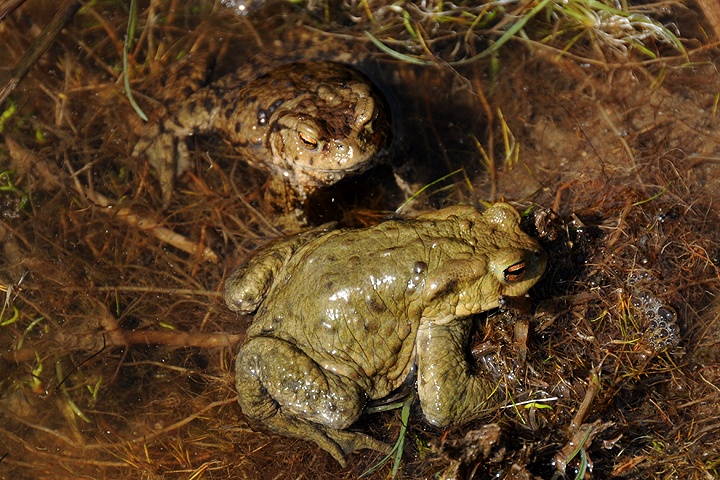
663 331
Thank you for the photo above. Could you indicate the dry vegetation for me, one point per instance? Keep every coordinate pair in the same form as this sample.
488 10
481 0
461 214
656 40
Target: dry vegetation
116 348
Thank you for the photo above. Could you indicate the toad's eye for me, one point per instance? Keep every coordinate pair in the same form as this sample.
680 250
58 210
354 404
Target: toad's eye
310 142
515 272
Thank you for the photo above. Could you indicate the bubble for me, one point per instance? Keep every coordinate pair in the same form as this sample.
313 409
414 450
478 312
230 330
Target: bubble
243 7
667 314
662 331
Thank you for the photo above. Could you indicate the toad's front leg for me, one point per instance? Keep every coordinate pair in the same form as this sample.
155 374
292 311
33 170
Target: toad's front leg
247 286
449 392
286 391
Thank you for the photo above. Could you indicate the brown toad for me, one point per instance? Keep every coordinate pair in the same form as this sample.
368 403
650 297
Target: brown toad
309 124
345 316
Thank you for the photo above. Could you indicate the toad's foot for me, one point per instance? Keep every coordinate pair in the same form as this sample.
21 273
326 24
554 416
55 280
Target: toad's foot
168 156
338 443
285 390
350 441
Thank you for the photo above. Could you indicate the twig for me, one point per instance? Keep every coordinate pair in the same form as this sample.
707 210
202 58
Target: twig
8 7
163 234
183 339
584 408
144 289
37 48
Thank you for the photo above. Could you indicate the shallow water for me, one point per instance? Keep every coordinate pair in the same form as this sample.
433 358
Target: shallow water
119 361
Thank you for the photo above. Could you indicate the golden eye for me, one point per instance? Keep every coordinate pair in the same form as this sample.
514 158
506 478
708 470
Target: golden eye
310 142
514 273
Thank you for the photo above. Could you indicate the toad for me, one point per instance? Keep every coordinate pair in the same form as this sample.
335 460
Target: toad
347 316
308 124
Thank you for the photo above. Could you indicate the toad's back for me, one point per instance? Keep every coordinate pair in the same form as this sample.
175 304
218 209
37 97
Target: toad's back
353 299
353 303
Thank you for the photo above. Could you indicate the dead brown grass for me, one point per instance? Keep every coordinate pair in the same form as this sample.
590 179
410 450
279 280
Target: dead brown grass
116 348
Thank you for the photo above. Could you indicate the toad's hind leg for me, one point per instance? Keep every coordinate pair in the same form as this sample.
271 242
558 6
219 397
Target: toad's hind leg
287 392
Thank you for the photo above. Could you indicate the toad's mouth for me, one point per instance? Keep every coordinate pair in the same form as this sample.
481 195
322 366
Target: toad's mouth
341 157
357 166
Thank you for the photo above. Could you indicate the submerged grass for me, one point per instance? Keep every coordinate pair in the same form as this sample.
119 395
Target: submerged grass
601 27
396 454
116 350
127 45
